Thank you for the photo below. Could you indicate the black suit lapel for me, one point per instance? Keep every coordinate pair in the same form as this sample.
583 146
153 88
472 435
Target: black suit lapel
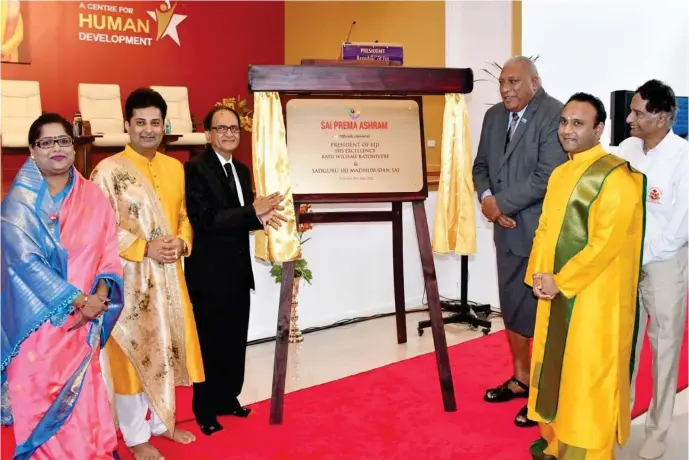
213 163
245 181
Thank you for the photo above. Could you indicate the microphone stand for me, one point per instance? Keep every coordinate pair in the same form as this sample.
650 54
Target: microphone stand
475 315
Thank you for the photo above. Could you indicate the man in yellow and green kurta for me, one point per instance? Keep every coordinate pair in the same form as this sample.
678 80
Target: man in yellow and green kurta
585 268
154 345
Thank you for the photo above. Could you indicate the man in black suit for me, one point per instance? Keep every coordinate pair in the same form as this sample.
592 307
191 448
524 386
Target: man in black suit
222 211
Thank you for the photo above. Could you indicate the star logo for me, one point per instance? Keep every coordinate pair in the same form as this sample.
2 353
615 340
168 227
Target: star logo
167 21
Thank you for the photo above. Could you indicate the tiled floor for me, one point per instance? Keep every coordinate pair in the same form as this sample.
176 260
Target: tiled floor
335 353
676 444
346 350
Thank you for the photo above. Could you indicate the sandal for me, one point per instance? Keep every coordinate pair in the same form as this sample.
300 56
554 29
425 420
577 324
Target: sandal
522 421
538 448
503 393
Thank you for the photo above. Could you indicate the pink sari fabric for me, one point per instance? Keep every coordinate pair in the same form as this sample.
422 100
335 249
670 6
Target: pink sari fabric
52 354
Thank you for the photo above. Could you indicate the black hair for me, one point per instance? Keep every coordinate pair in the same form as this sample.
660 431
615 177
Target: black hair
659 97
47 119
601 114
143 98
208 120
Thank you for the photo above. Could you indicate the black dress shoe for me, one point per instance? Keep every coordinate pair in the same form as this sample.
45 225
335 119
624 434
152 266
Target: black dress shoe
242 412
210 427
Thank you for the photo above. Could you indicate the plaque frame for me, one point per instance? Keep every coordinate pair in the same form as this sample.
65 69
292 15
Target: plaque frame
330 198
329 78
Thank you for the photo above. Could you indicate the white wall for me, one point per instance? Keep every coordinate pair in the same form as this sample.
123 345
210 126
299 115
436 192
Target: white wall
352 273
478 33
603 46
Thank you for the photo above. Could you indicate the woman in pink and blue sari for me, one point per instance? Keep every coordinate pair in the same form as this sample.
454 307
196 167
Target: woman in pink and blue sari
61 295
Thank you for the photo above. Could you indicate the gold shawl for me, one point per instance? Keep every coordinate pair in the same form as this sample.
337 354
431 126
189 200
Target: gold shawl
150 330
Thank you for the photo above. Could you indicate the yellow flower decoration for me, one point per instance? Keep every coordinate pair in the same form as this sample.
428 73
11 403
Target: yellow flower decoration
241 106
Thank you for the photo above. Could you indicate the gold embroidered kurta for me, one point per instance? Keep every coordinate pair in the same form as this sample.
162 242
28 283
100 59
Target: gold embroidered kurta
154 345
599 281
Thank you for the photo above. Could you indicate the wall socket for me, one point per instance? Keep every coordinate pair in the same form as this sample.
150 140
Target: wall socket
430 143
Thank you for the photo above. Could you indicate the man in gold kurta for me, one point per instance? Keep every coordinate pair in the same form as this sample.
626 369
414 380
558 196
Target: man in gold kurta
154 345
584 268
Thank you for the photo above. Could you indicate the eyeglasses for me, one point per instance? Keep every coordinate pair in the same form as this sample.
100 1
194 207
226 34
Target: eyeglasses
49 142
222 129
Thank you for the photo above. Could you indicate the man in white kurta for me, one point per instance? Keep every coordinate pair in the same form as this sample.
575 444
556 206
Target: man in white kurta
663 157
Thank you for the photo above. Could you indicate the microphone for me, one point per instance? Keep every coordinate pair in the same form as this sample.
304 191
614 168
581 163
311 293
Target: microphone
349 34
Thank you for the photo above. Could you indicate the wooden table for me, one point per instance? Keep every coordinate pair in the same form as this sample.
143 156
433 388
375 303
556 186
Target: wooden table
83 148
168 139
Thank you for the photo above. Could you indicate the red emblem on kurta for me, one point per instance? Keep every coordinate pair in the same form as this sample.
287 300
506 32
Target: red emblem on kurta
654 194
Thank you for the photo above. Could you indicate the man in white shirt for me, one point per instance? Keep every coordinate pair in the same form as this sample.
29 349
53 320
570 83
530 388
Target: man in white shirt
664 158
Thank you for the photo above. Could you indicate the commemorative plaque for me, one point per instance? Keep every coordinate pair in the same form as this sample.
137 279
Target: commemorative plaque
354 146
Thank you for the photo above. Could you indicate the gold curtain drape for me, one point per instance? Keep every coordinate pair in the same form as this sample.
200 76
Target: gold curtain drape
454 229
271 174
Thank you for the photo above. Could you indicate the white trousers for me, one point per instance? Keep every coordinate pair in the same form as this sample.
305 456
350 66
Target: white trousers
663 295
131 414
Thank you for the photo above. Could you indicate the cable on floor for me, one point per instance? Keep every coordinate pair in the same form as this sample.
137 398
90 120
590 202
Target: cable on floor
446 305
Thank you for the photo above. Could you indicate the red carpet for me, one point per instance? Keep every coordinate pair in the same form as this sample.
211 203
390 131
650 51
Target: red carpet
394 412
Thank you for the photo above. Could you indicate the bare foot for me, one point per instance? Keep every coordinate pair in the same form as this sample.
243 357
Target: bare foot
146 451
180 436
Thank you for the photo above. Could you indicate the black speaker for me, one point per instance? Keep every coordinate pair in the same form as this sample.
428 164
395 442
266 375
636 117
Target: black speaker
619 111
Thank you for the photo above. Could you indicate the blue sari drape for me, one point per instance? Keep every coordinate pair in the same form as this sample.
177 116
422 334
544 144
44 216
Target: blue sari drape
35 290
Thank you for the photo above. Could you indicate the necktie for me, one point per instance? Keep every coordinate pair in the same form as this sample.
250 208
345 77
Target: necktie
512 129
229 169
